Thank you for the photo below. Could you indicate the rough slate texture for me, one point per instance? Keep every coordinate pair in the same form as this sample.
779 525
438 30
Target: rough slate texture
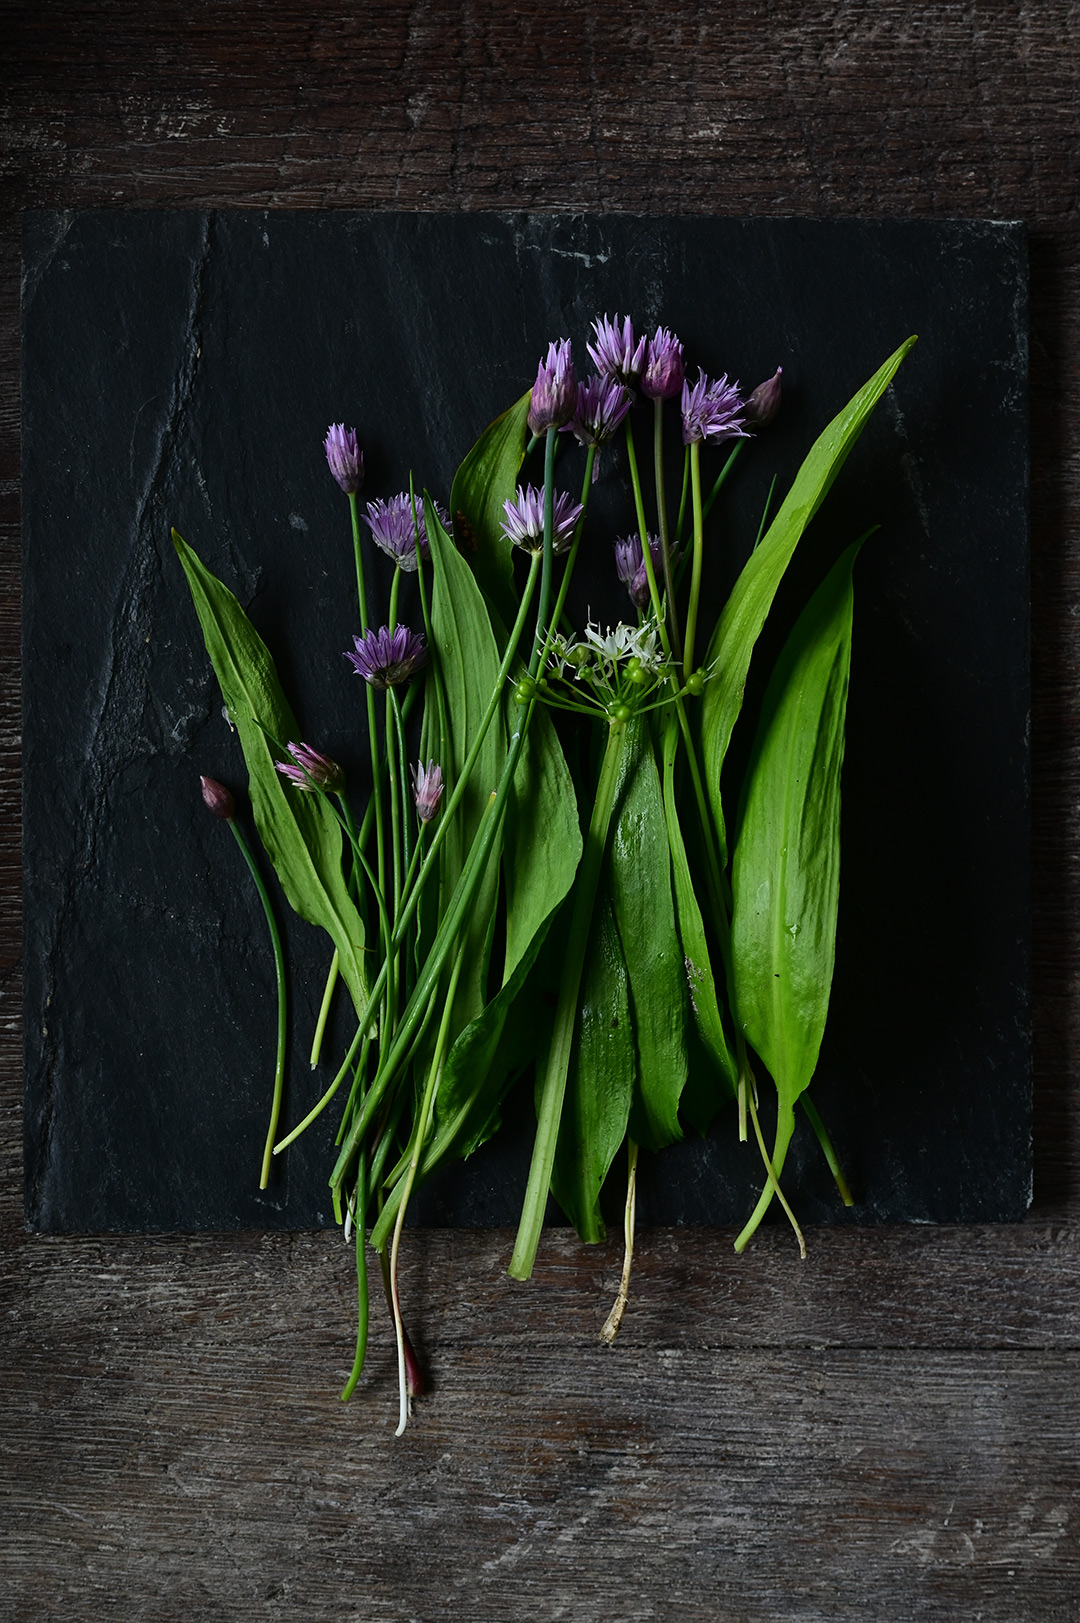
212 348
886 1433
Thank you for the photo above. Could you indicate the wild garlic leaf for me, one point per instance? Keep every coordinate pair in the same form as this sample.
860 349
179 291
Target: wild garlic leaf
638 878
485 480
600 1081
745 612
786 867
299 832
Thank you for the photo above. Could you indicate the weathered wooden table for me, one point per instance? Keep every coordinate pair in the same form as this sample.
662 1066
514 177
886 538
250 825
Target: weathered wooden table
888 1432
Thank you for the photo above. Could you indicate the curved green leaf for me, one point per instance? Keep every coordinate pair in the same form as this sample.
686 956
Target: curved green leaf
302 838
745 612
600 1082
485 480
708 1095
638 875
786 867
542 848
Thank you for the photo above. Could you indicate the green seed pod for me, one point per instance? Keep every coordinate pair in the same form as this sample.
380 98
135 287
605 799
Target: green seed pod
695 683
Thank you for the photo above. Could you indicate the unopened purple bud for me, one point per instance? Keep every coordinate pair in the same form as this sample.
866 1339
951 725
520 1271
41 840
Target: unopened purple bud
523 523
428 790
664 373
763 404
386 658
217 799
602 403
345 457
711 411
615 353
630 567
554 393
309 769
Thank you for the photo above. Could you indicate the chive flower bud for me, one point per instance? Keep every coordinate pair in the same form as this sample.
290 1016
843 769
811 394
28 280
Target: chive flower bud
310 770
554 395
394 532
386 658
664 373
217 799
345 457
763 404
524 520
630 566
711 411
615 353
427 790
602 403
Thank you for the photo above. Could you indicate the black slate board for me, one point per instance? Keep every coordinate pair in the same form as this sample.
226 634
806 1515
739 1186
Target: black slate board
181 368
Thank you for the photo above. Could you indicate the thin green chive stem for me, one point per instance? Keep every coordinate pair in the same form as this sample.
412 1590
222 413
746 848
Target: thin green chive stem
282 1004
553 1083
681 521
774 1165
827 1149
541 634
362 1309
695 573
420 1132
403 759
564 584
764 513
650 573
722 475
317 1109
373 737
324 1007
661 518
615 1317
395 586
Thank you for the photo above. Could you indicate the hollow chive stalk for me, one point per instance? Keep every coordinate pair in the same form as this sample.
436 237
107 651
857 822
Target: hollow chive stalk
420 1131
362 1307
552 1088
282 1002
373 737
662 523
833 1160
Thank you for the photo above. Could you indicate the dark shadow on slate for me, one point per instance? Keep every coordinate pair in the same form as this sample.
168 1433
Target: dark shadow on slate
182 368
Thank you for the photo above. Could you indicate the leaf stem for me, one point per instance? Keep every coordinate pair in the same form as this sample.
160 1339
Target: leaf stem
695 573
362 1308
615 1317
282 1003
827 1149
774 1165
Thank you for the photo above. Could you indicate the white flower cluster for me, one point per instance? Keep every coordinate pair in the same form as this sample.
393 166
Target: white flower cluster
603 652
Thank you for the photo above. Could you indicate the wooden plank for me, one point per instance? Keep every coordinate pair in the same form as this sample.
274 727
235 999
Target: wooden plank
207 1475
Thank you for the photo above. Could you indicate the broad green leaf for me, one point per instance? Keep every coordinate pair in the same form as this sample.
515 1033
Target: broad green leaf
542 847
701 984
302 838
469 663
746 610
485 480
638 878
479 1069
600 1083
786 867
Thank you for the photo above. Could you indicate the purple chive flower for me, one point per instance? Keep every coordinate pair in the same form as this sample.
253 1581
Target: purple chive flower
387 658
392 529
615 353
428 790
554 394
630 567
309 769
345 457
217 799
602 403
664 373
764 403
524 521
711 411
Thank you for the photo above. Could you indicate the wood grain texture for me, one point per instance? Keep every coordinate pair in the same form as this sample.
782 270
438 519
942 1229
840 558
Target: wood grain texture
887 1433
